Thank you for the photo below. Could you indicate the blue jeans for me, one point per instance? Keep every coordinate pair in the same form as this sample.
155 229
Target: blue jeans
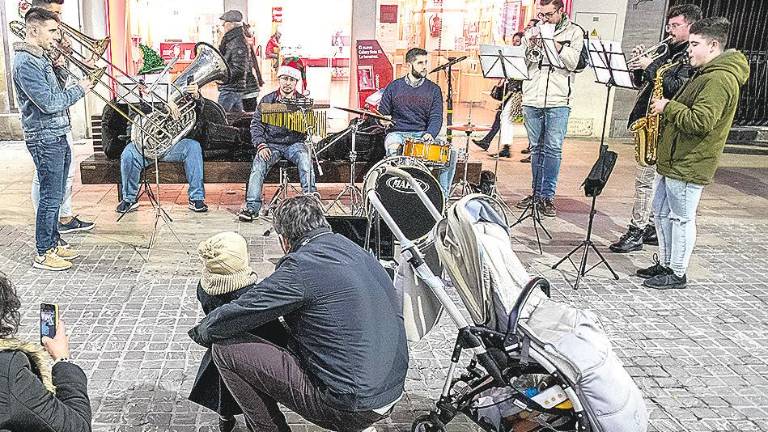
393 144
52 158
546 131
674 210
187 150
296 153
231 101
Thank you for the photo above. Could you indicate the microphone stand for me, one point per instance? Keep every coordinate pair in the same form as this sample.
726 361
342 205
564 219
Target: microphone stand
449 94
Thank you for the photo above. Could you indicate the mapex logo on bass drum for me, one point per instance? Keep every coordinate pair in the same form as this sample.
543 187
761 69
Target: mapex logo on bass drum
403 186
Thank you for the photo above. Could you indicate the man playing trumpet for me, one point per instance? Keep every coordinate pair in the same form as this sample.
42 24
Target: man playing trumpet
43 104
679 19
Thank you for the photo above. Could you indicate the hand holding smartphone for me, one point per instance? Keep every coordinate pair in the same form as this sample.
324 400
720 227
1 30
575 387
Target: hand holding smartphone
49 320
53 335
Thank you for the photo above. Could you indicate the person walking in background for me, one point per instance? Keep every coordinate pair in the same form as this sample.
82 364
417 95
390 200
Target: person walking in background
234 49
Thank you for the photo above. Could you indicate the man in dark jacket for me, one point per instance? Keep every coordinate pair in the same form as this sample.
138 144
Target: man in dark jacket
345 364
679 19
274 142
695 125
35 397
234 49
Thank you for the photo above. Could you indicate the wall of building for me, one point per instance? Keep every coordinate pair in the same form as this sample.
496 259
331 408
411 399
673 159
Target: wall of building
602 20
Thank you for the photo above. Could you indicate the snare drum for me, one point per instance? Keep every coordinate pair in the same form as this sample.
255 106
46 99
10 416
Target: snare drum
429 152
401 200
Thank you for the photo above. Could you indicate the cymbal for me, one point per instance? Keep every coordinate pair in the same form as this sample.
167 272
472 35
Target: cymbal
469 128
364 113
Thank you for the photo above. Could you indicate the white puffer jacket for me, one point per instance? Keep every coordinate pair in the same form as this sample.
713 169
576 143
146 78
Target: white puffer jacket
549 86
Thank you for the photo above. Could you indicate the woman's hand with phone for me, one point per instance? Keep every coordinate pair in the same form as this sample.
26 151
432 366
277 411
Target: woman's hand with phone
58 347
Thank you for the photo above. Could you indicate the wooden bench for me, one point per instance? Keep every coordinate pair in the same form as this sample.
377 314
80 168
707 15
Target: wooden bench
98 169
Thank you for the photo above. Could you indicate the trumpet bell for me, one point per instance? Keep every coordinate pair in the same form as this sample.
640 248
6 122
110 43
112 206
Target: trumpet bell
96 46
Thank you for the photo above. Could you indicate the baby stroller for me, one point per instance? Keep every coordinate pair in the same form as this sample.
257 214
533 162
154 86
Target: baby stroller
537 365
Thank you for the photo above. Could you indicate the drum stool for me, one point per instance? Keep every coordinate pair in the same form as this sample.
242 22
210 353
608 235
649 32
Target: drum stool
281 194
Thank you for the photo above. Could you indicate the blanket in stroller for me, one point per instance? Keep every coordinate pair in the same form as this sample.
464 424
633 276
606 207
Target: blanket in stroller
575 342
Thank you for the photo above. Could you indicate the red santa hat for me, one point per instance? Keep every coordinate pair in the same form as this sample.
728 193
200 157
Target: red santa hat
294 68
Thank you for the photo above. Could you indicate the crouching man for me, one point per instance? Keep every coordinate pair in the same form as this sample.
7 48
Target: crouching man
344 365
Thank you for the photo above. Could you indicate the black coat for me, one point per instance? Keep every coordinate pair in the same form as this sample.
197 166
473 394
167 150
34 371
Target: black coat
672 82
209 389
25 403
234 49
344 318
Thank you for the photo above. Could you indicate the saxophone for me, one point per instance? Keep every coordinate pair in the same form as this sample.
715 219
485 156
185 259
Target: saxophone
646 129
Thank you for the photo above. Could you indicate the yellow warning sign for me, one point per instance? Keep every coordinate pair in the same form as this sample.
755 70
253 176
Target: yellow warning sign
593 33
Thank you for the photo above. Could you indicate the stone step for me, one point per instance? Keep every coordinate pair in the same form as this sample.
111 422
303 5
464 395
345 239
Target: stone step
754 148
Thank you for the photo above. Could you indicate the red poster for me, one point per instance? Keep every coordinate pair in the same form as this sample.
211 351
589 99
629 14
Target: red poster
388 14
277 14
374 71
185 51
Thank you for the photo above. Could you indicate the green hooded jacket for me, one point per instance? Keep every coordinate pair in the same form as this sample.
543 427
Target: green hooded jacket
697 120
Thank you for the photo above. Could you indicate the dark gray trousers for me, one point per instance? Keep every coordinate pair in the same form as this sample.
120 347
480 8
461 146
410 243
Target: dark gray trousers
260 374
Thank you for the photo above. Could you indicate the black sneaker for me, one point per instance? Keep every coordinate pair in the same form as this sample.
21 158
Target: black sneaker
525 150
547 208
247 215
655 270
504 152
649 235
198 206
227 423
482 144
126 206
666 282
525 202
526 160
75 225
631 241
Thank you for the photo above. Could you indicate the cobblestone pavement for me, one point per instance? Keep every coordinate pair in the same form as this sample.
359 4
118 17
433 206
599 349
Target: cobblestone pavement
700 355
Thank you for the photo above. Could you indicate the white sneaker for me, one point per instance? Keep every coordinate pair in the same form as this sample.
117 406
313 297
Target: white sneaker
51 261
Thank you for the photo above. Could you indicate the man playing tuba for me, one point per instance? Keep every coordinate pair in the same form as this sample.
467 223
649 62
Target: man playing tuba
679 19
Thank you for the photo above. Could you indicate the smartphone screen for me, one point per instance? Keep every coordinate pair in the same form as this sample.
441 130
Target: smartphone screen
49 318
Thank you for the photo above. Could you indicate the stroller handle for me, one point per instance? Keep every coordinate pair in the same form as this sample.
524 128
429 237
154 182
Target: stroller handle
397 172
514 316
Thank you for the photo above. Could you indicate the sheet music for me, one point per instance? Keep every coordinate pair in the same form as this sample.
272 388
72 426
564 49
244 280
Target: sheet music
609 63
514 61
552 55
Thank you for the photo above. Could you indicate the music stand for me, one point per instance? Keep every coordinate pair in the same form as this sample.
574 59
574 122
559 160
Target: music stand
502 62
610 67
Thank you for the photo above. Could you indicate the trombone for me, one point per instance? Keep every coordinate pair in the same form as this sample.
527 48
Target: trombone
93 74
652 51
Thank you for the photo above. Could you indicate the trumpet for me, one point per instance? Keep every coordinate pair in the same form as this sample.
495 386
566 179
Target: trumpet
652 51
534 50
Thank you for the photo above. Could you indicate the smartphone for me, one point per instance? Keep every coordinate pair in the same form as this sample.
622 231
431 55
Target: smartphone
49 320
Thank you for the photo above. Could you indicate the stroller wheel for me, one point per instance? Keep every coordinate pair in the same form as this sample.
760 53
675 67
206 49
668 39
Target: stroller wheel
427 423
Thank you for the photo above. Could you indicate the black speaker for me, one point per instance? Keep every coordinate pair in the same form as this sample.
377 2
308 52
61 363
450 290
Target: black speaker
355 227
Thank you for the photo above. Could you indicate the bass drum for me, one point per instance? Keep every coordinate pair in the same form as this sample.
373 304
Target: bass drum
401 200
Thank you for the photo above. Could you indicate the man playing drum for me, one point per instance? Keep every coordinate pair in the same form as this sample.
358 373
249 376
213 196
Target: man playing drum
416 107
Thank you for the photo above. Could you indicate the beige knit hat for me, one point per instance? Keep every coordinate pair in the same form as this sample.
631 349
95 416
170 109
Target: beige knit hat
225 264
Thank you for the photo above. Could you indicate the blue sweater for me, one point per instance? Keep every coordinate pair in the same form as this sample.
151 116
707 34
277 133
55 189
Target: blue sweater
413 109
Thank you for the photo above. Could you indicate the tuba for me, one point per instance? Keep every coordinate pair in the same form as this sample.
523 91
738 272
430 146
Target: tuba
160 131
646 129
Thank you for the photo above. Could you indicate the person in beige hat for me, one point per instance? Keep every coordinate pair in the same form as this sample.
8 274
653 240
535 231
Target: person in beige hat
226 275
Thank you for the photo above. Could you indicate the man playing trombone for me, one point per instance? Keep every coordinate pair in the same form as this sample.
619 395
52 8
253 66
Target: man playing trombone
644 64
43 104
68 221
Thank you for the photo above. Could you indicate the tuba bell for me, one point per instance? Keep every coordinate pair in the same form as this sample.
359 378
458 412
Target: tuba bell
153 134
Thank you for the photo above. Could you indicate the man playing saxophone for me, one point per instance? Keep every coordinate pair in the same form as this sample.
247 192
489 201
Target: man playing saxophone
679 19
